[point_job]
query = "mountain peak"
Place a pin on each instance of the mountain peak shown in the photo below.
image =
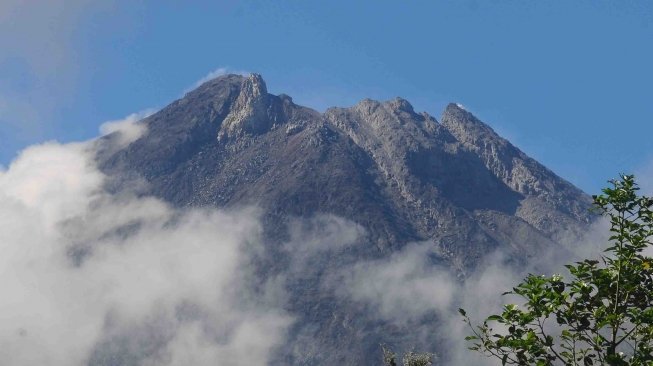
(465, 126)
(254, 86)
(458, 112)
(249, 113)
(400, 105)
(216, 84)
(399, 177)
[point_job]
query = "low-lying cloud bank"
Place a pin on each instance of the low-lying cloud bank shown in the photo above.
(403, 287)
(409, 286)
(91, 277)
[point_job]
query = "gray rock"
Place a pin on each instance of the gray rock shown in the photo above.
(401, 175)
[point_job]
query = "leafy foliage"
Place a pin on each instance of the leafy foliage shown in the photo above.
(410, 358)
(602, 315)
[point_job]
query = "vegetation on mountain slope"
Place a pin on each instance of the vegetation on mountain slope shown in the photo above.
(601, 315)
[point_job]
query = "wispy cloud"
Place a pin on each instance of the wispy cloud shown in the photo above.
(402, 287)
(214, 74)
(89, 276)
(127, 129)
(408, 287)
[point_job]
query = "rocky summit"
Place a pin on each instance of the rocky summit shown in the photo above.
(402, 176)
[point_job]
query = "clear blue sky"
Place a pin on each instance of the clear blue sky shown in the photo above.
(569, 82)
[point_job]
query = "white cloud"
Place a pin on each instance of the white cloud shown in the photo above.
(128, 129)
(311, 239)
(210, 76)
(214, 74)
(83, 270)
(407, 285)
(403, 287)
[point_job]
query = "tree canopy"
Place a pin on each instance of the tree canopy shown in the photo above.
(601, 315)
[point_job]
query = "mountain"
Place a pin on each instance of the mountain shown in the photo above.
(400, 175)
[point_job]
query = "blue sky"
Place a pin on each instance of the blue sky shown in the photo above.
(569, 82)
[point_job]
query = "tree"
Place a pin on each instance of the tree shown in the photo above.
(602, 315)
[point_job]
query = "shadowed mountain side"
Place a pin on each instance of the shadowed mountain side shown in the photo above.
(551, 204)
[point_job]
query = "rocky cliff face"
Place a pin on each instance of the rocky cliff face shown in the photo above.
(402, 176)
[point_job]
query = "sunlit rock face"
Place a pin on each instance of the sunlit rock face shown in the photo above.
(399, 176)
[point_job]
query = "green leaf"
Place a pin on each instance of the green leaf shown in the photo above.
(613, 291)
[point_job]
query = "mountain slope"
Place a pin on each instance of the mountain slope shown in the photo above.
(400, 175)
